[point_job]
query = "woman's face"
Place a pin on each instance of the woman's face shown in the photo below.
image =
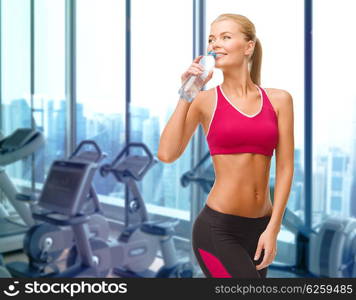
(226, 38)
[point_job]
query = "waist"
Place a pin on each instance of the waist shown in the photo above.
(232, 219)
(240, 202)
(241, 188)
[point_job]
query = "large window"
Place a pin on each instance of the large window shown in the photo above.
(100, 47)
(282, 68)
(334, 110)
(49, 100)
(16, 77)
(161, 51)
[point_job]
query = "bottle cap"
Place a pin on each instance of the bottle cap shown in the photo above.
(212, 53)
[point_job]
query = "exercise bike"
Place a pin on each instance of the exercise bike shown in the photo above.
(19, 145)
(155, 234)
(137, 245)
(44, 243)
(66, 189)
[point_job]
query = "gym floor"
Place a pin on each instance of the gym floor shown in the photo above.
(20, 256)
(272, 273)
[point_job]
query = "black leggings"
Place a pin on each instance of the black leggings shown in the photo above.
(225, 244)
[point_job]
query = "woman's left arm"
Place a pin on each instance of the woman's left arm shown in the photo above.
(284, 160)
(284, 177)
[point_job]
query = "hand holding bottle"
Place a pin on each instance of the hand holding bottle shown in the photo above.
(197, 75)
(195, 69)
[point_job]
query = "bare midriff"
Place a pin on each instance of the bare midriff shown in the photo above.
(241, 185)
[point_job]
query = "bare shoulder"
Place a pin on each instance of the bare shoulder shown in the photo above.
(280, 99)
(206, 103)
(206, 100)
(206, 96)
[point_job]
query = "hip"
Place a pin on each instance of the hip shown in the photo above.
(213, 221)
(250, 205)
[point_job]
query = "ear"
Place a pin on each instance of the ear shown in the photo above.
(250, 47)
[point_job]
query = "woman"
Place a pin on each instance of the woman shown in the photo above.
(235, 234)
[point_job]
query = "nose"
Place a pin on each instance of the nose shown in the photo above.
(213, 46)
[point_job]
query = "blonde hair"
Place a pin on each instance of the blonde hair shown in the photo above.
(249, 31)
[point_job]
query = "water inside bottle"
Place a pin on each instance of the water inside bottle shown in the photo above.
(194, 84)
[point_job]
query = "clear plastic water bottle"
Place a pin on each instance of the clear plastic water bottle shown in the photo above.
(193, 84)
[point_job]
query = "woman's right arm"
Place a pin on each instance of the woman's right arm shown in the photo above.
(179, 129)
(184, 120)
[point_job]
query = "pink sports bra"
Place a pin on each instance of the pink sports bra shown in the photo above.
(232, 131)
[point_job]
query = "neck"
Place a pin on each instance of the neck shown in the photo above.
(238, 82)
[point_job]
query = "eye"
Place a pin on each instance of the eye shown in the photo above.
(225, 36)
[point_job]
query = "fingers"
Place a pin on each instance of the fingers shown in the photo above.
(258, 251)
(195, 66)
(267, 259)
(210, 75)
(194, 69)
(191, 72)
(197, 59)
